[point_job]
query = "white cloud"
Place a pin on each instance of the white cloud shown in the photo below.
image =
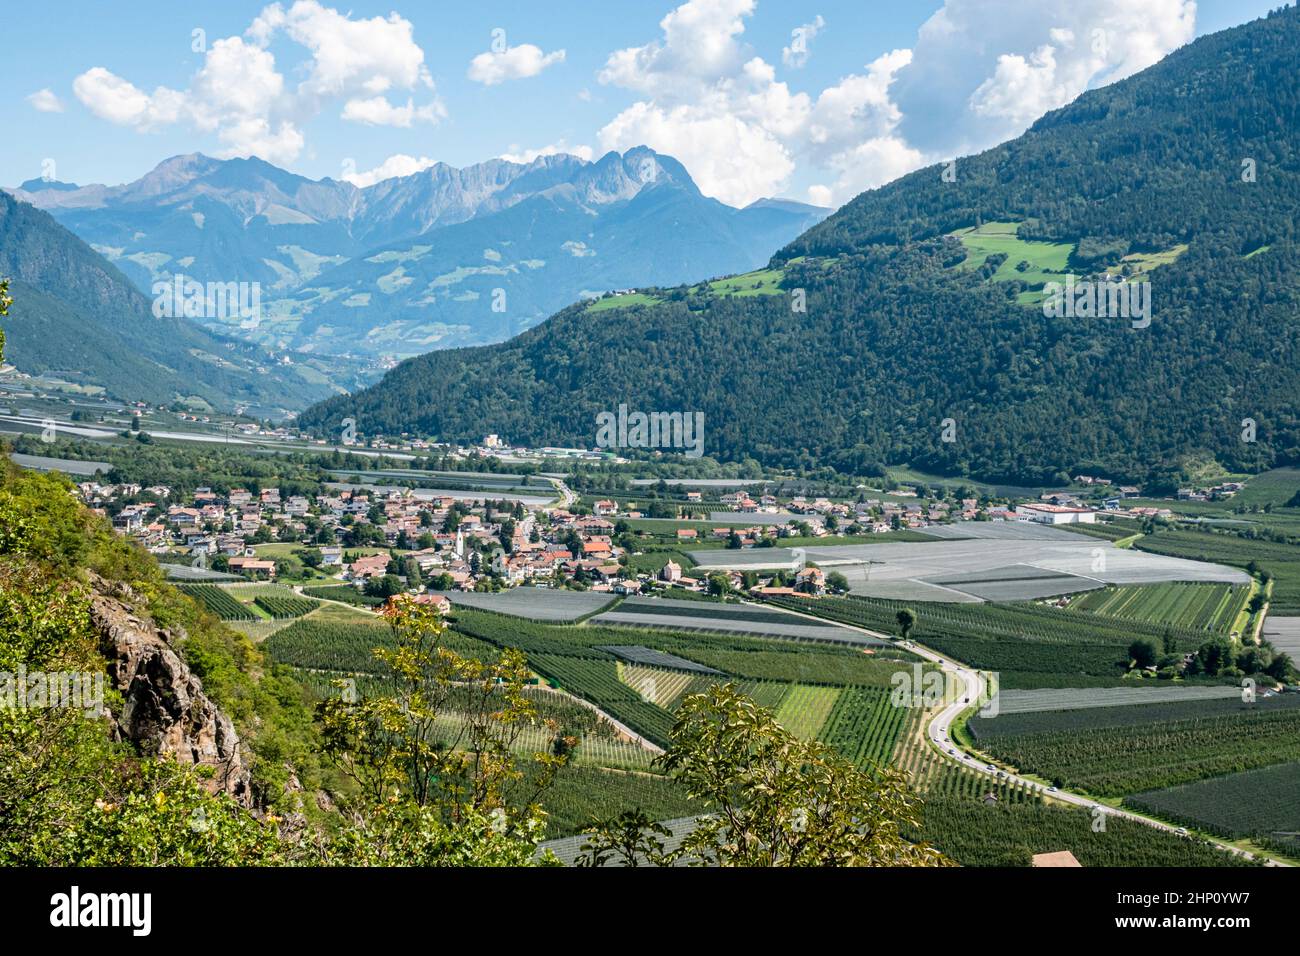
(45, 101)
(796, 54)
(979, 73)
(110, 97)
(699, 47)
(377, 111)
(526, 156)
(512, 63)
(240, 95)
(983, 70)
(394, 166)
(820, 195)
(731, 159)
(348, 55)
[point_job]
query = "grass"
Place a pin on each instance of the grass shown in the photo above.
(1210, 607)
(804, 710)
(759, 282)
(607, 303)
(1047, 261)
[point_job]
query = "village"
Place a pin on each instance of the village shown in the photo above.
(387, 541)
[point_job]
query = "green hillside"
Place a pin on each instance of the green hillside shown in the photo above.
(922, 305)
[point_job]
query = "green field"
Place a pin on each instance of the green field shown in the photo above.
(1028, 644)
(1118, 760)
(607, 303)
(1280, 560)
(1207, 607)
(1046, 261)
(1009, 834)
(759, 282)
(1263, 803)
(804, 710)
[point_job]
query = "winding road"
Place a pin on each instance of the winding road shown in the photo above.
(971, 686)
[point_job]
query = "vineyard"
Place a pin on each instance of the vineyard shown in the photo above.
(345, 593)
(804, 709)
(1009, 834)
(1086, 719)
(219, 601)
(1281, 560)
(1205, 607)
(288, 606)
(864, 725)
(1263, 803)
(1113, 761)
(1030, 645)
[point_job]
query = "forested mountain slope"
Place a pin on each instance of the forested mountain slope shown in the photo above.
(924, 303)
(76, 317)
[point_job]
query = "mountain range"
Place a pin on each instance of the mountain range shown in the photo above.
(919, 323)
(78, 319)
(439, 258)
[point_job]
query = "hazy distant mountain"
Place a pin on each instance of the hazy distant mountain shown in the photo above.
(77, 318)
(416, 262)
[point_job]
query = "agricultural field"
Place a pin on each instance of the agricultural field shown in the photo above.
(660, 687)
(1030, 645)
(1204, 607)
(805, 708)
(730, 618)
(581, 795)
(1009, 834)
(976, 820)
(219, 602)
(1099, 755)
(1262, 803)
(1032, 701)
(649, 657)
(1280, 560)
(280, 607)
(535, 604)
(864, 725)
(344, 593)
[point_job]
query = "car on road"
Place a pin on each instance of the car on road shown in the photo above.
(1051, 790)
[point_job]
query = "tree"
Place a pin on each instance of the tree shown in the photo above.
(421, 789)
(837, 582)
(5, 301)
(1143, 653)
(383, 586)
(906, 619)
(771, 799)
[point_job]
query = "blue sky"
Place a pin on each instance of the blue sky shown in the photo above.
(878, 88)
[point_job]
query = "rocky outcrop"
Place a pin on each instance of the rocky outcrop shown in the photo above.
(164, 710)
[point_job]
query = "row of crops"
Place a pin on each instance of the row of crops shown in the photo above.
(1029, 645)
(345, 593)
(1083, 719)
(1281, 560)
(281, 607)
(1262, 804)
(219, 601)
(864, 725)
(1205, 607)
(1009, 834)
(1113, 761)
